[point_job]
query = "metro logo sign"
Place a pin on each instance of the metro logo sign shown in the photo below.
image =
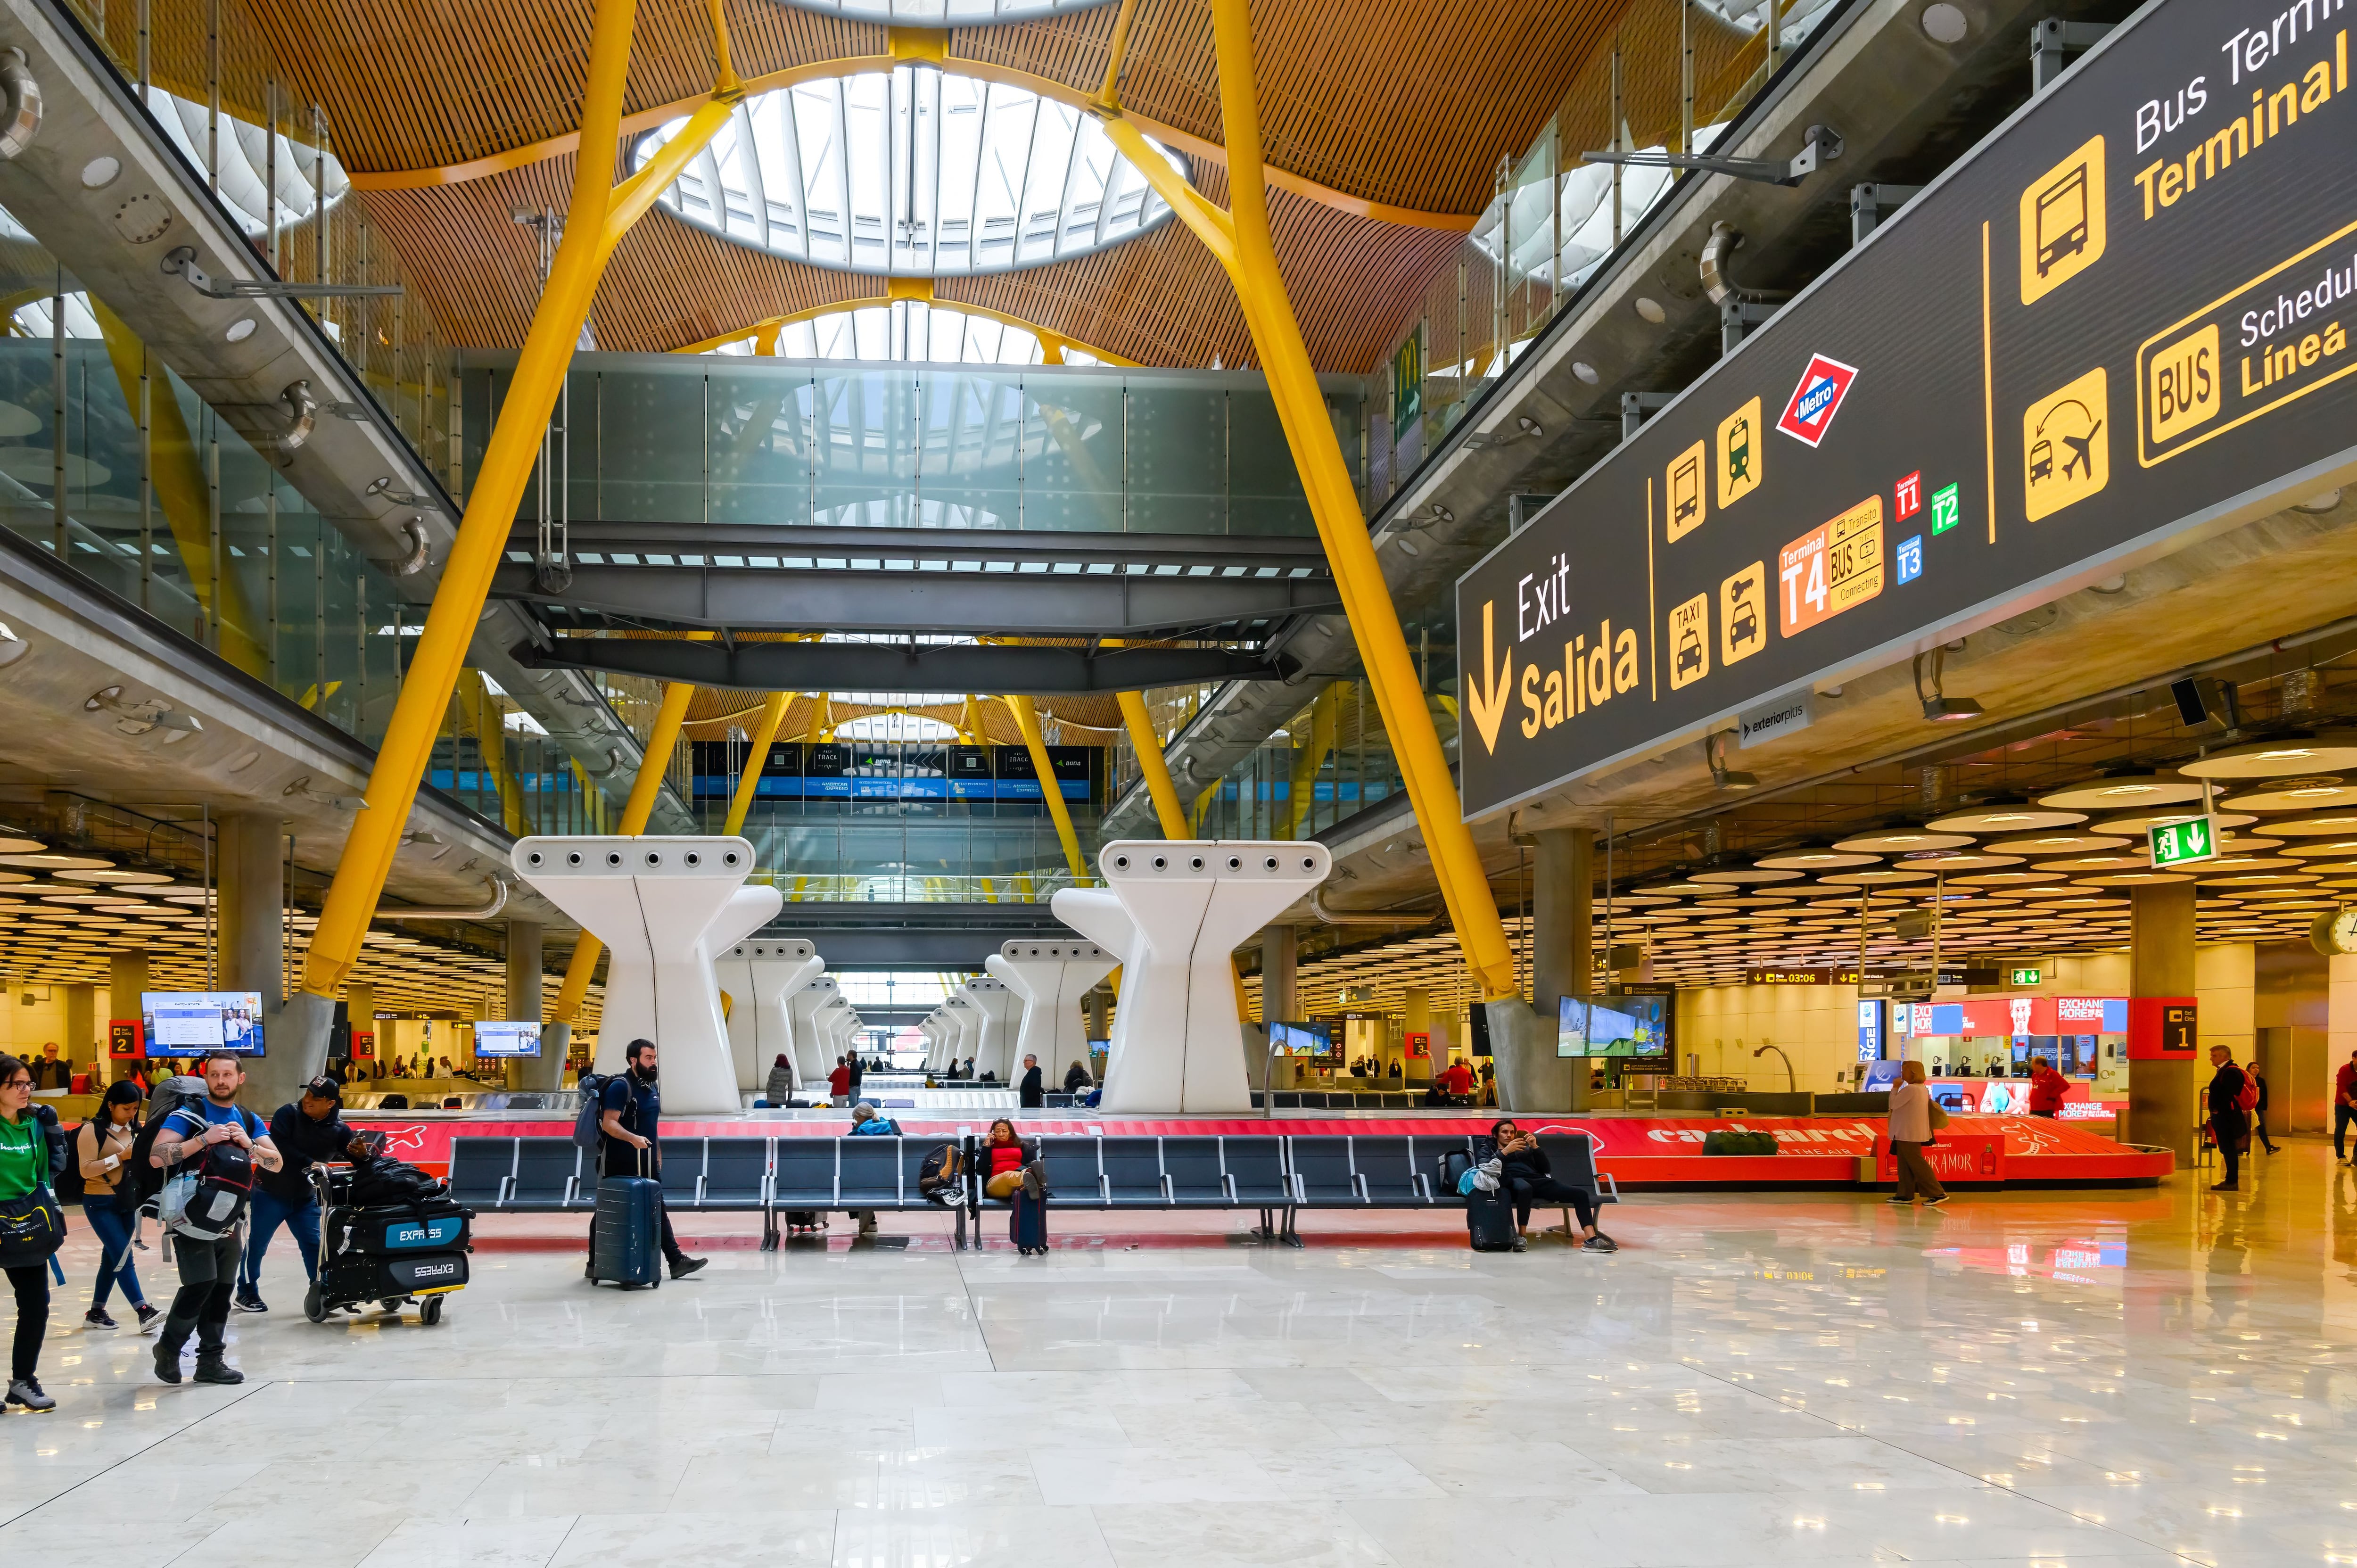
(1816, 399)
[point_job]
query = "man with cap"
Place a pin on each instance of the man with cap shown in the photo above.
(309, 1131)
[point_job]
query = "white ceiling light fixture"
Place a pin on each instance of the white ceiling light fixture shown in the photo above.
(2278, 759)
(918, 173)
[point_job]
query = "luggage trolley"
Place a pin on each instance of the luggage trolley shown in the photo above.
(396, 1255)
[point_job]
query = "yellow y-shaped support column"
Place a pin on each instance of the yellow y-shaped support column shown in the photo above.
(774, 713)
(1240, 239)
(1318, 744)
(1154, 765)
(599, 216)
(1027, 719)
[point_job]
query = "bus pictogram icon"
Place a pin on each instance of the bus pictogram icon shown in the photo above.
(2063, 228)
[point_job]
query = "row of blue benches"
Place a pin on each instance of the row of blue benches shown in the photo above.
(1274, 1173)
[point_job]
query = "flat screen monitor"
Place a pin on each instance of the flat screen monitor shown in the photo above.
(1630, 1027)
(1308, 1041)
(507, 1039)
(1880, 1076)
(189, 1023)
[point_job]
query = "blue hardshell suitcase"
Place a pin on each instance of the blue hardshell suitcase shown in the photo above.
(626, 1238)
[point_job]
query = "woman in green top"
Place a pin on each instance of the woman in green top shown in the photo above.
(24, 1165)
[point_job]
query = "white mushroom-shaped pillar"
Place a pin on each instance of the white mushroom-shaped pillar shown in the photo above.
(990, 1040)
(1050, 978)
(1173, 910)
(805, 1010)
(759, 976)
(664, 907)
(961, 1027)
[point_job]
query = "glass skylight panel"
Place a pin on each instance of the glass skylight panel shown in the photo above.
(909, 330)
(944, 12)
(915, 174)
(247, 165)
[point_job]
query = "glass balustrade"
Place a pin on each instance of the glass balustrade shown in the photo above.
(1671, 78)
(692, 439)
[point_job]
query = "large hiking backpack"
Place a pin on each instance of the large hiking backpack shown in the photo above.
(207, 1198)
(587, 1132)
(142, 1178)
(942, 1175)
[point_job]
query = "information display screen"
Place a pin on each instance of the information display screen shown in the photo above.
(1312, 1042)
(185, 1023)
(1629, 1027)
(507, 1039)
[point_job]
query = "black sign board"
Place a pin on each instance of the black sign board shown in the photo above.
(2125, 317)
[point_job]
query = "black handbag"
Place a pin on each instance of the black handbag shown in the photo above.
(31, 1228)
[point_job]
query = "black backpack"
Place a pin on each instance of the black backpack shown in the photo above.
(224, 1179)
(64, 1179)
(142, 1180)
(943, 1173)
(588, 1129)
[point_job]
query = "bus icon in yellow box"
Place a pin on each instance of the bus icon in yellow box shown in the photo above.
(2063, 228)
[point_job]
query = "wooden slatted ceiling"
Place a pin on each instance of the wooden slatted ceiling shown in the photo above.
(1407, 102)
(1161, 300)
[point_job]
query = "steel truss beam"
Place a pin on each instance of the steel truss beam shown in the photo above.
(902, 667)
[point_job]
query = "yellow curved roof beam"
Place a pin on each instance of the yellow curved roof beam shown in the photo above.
(863, 65)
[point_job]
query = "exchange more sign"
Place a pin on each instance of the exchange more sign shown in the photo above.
(2122, 320)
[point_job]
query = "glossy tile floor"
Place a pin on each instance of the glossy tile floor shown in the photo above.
(2027, 1378)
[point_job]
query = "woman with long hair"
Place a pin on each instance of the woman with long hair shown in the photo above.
(1007, 1163)
(103, 1149)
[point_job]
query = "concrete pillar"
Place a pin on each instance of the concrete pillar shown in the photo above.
(544, 1073)
(252, 902)
(1530, 1076)
(1280, 998)
(2164, 1097)
(85, 1042)
(127, 979)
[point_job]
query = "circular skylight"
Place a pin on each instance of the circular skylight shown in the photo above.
(917, 174)
(942, 13)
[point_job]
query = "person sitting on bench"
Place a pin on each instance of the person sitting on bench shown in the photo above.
(1008, 1163)
(1530, 1176)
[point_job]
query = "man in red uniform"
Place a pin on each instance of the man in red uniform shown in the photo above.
(2344, 1104)
(2047, 1089)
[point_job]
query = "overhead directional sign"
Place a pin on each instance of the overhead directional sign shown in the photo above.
(2124, 318)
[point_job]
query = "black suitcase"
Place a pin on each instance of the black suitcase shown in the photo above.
(1026, 1223)
(438, 1226)
(626, 1238)
(1489, 1221)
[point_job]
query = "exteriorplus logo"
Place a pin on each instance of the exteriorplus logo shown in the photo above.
(1816, 399)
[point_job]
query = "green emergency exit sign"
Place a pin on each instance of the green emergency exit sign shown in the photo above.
(2027, 977)
(2182, 843)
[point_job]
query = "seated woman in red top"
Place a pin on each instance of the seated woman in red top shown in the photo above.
(1007, 1163)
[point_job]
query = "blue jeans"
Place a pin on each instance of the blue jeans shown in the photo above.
(267, 1214)
(113, 1223)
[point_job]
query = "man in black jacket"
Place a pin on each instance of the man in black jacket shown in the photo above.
(1031, 1092)
(306, 1131)
(2229, 1124)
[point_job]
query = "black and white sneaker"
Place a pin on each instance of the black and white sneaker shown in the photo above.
(249, 1299)
(96, 1317)
(151, 1318)
(27, 1392)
